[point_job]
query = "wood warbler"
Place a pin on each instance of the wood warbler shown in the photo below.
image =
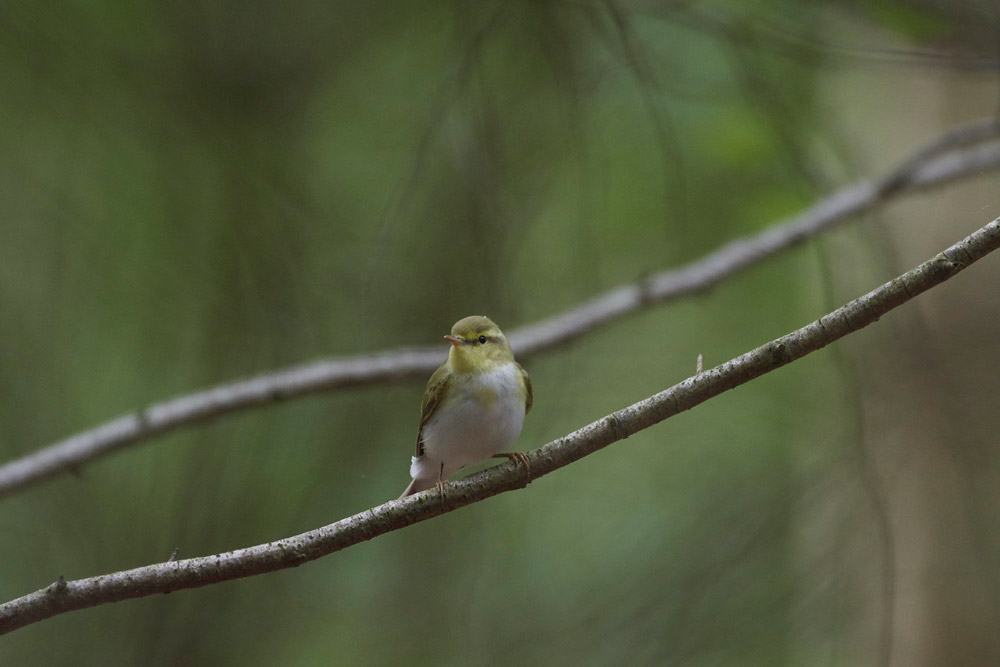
(473, 407)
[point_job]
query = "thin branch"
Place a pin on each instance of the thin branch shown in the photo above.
(63, 596)
(963, 136)
(936, 168)
(743, 253)
(191, 409)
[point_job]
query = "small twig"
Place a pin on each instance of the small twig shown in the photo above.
(64, 596)
(960, 137)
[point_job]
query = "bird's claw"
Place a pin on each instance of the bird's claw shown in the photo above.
(519, 457)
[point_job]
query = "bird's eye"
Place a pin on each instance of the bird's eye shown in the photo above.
(482, 340)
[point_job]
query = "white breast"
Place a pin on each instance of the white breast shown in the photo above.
(481, 416)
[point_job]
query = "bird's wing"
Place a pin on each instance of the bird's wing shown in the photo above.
(527, 386)
(437, 387)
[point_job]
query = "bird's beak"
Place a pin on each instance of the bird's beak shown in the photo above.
(454, 340)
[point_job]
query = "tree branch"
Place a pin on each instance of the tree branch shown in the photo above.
(63, 596)
(945, 159)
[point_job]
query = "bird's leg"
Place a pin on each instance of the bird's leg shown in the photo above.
(520, 457)
(440, 482)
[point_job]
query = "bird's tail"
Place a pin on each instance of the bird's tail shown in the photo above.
(410, 489)
(425, 473)
(416, 486)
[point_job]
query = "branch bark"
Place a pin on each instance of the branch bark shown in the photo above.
(63, 596)
(943, 160)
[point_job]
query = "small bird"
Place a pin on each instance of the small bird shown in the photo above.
(473, 407)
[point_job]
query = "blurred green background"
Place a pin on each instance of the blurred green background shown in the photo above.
(196, 193)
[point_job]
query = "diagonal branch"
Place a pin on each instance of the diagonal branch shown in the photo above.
(943, 160)
(63, 596)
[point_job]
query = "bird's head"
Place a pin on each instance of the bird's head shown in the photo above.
(477, 345)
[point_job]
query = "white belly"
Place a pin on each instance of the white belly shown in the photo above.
(478, 418)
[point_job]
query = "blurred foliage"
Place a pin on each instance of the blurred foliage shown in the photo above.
(193, 193)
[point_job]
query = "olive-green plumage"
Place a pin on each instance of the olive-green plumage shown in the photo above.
(473, 406)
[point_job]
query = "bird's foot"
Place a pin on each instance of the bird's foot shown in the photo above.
(519, 457)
